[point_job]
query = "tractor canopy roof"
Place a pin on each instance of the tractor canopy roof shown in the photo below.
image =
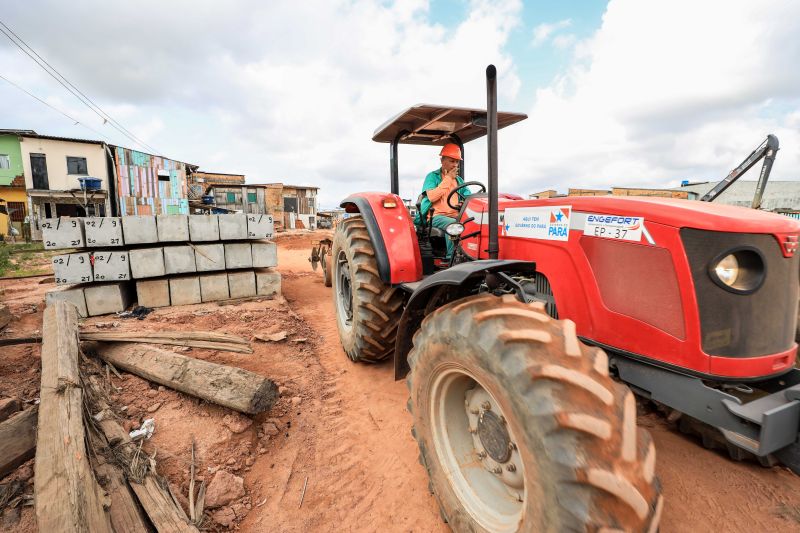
(438, 125)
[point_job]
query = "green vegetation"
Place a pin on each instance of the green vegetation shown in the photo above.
(27, 259)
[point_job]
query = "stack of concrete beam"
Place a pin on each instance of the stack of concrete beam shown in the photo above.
(162, 260)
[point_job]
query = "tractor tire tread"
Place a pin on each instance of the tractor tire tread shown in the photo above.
(601, 466)
(376, 306)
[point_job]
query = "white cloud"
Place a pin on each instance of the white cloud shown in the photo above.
(665, 91)
(293, 90)
(544, 31)
(278, 90)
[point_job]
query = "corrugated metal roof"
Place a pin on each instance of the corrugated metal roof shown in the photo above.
(285, 185)
(55, 138)
(16, 132)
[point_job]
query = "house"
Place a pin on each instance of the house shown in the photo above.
(216, 178)
(54, 168)
(229, 191)
(13, 198)
(292, 206)
(239, 198)
(147, 184)
(45, 174)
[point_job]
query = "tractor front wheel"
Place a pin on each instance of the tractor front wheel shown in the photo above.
(367, 310)
(520, 426)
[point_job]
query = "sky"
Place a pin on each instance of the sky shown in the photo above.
(636, 93)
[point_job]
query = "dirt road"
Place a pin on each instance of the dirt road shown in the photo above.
(342, 430)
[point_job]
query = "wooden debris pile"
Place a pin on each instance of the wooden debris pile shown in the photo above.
(89, 475)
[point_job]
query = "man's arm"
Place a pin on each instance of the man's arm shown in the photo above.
(435, 192)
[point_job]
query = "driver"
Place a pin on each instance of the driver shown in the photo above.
(438, 185)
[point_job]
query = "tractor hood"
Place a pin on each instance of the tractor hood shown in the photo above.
(668, 211)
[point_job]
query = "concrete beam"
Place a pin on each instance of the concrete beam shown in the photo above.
(179, 259)
(63, 232)
(265, 254)
(203, 228)
(103, 231)
(139, 229)
(242, 284)
(233, 227)
(172, 228)
(214, 287)
(153, 293)
(111, 265)
(209, 257)
(74, 295)
(147, 262)
(106, 298)
(72, 268)
(260, 226)
(238, 255)
(184, 290)
(268, 282)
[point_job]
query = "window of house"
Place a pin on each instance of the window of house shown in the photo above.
(251, 197)
(76, 165)
(5, 161)
(231, 197)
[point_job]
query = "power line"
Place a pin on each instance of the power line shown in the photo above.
(77, 122)
(69, 86)
(104, 115)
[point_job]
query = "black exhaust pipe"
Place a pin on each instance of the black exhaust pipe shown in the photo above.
(491, 144)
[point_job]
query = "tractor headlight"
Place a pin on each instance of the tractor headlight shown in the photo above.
(727, 270)
(454, 230)
(741, 271)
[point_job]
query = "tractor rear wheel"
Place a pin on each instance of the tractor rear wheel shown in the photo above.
(520, 426)
(367, 310)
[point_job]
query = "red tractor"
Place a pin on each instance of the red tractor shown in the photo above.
(521, 350)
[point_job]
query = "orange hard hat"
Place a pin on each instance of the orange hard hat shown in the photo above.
(451, 150)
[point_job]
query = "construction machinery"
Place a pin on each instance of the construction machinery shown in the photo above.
(521, 350)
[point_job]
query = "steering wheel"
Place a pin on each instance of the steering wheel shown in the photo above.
(465, 184)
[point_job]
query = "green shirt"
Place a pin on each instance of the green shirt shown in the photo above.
(433, 180)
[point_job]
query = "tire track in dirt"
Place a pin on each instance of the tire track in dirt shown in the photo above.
(357, 450)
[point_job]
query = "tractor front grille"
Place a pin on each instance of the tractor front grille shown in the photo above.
(743, 325)
(539, 288)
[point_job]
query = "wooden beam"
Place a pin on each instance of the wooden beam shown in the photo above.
(122, 336)
(9, 407)
(197, 339)
(20, 340)
(157, 502)
(124, 512)
(232, 387)
(66, 494)
(17, 440)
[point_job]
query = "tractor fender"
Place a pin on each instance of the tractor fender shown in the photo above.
(392, 233)
(462, 280)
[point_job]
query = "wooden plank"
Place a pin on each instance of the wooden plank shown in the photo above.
(5, 316)
(159, 335)
(17, 440)
(124, 512)
(161, 508)
(67, 496)
(199, 339)
(9, 407)
(20, 340)
(235, 388)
